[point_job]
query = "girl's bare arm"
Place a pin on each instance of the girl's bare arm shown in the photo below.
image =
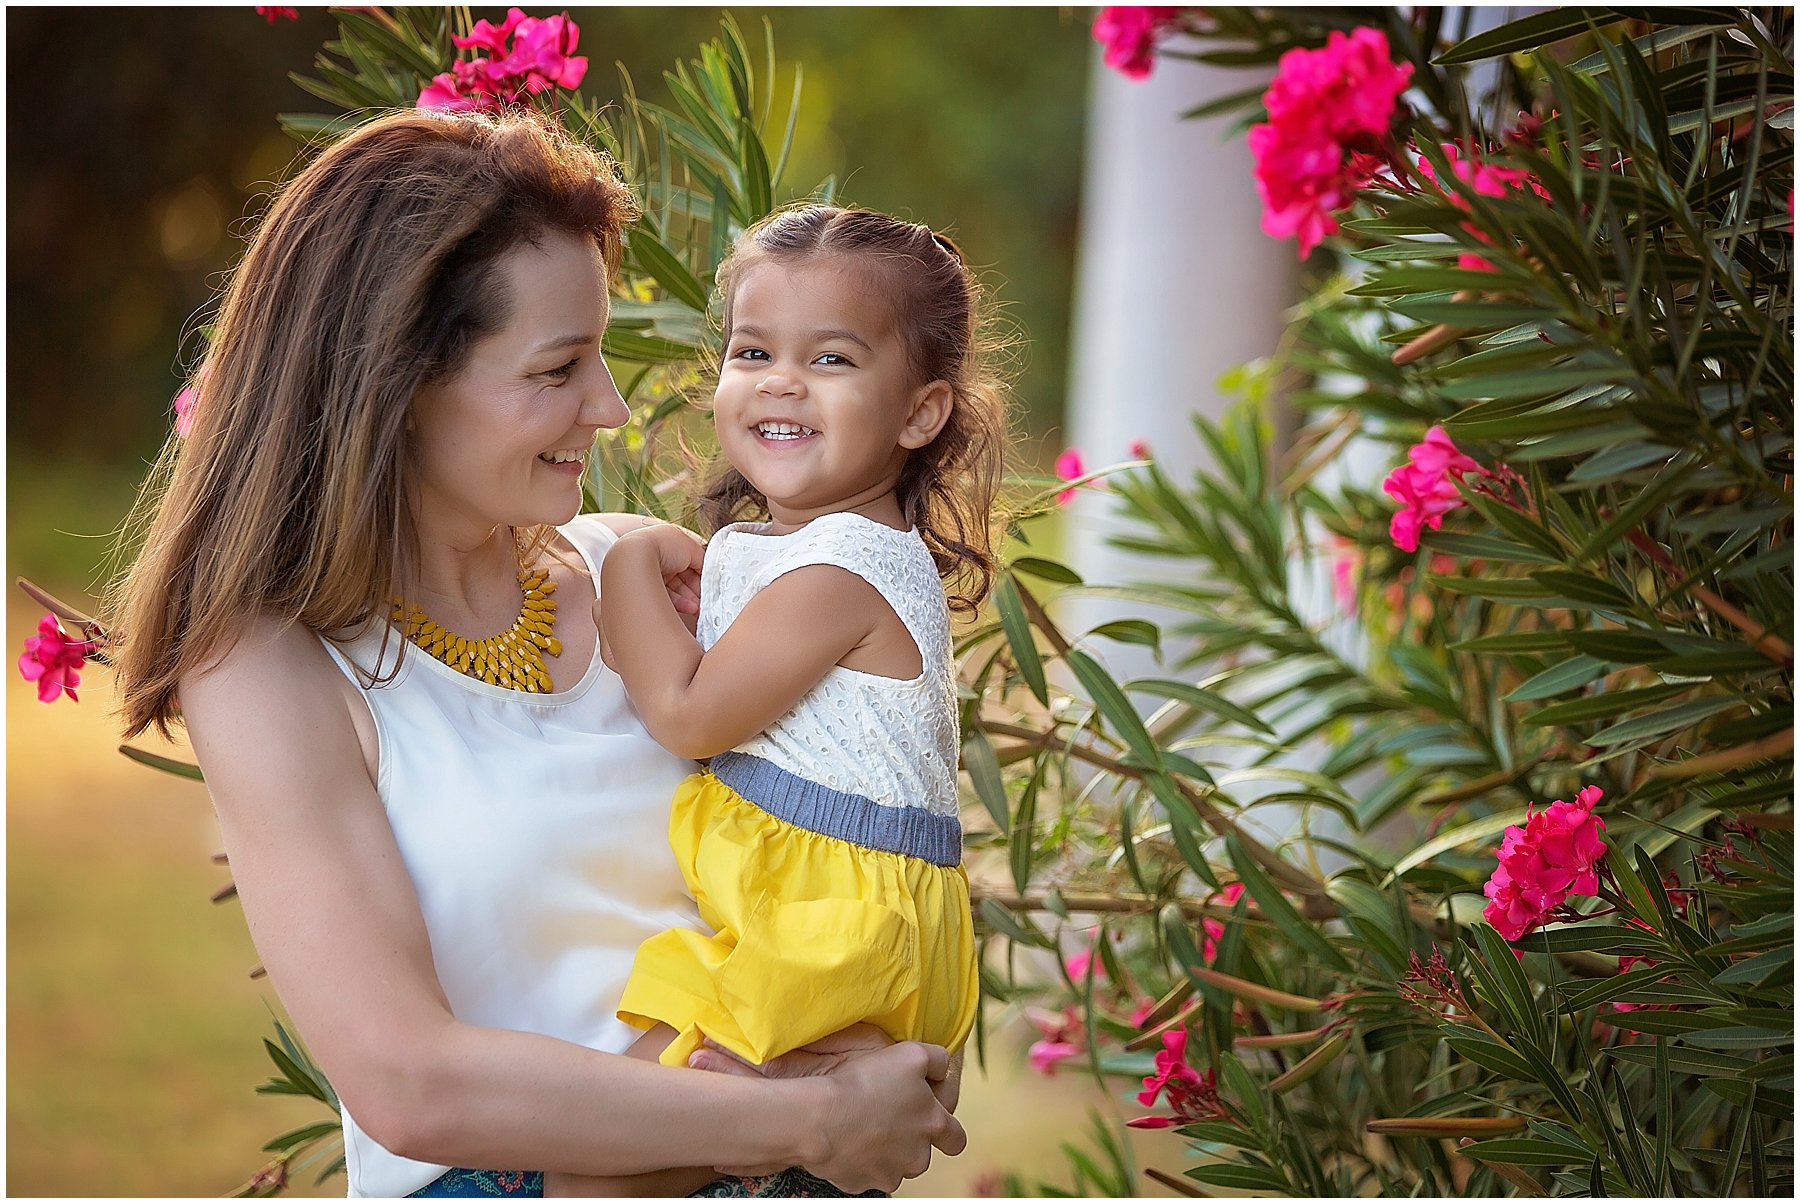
(698, 703)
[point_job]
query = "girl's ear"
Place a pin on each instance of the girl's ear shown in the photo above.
(930, 411)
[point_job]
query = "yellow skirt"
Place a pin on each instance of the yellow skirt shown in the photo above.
(811, 935)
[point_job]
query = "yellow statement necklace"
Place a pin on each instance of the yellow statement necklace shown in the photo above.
(514, 659)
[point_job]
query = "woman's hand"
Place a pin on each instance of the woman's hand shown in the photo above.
(885, 1112)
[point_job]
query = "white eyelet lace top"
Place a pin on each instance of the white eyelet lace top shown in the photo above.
(889, 740)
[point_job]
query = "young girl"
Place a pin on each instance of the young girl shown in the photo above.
(822, 843)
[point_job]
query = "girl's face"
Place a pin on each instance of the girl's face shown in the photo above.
(504, 441)
(816, 405)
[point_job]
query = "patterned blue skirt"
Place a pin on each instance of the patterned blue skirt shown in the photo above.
(790, 1184)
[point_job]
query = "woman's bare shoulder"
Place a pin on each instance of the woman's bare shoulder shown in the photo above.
(266, 670)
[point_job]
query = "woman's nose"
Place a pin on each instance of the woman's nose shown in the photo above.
(603, 405)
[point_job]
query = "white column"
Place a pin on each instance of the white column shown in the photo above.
(1175, 284)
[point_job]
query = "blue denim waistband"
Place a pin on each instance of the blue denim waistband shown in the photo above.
(910, 831)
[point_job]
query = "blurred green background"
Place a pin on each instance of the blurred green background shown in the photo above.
(133, 1028)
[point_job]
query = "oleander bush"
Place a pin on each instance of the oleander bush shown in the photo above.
(1449, 848)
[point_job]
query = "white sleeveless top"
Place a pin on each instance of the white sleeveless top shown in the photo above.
(891, 741)
(535, 829)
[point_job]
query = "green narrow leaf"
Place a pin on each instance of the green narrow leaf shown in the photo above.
(180, 769)
(1674, 719)
(296, 1077)
(1114, 706)
(635, 348)
(1559, 679)
(1632, 515)
(1244, 1090)
(1489, 1054)
(1206, 700)
(984, 774)
(1600, 706)
(1527, 33)
(1468, 833)
(1017, 626)
(1528, 1151)
(667, 271)
(1277, 909)
(295, 1138)
(1501, 645)
(1013, 928)
(1046, 570)
(1236, 1174)
(1131, 631)
(1020, 834)
(759, 190)
(1583, 588)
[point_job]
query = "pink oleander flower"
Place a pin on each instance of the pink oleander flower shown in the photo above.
(1063, 1037)
(1068, 468)
(471, 85)
(1171, 1067)
(1215, 929)
(272, 14)
(543, 54)
(184, 410)
(1425, 489)
(188, 398)
(1345, 562)
(52, 659)
(528, 55)
(1077, 964)
(1543, 863)
(1329, 113)
(1193, 1096)
(1045, 1055)
(490, 37)
(1483, 179)
(1129, 33)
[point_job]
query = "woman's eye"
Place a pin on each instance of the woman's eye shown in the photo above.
(564, 371)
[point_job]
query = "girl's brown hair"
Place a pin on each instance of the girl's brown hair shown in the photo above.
(373, 273)
(947, 488)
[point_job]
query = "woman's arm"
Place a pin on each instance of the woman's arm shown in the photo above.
(337, 923)
(698, 703)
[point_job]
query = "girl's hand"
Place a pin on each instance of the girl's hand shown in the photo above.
(680, 553)
(886, 1112)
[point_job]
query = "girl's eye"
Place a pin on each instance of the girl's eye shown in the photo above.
(834, 359)
(750, 353)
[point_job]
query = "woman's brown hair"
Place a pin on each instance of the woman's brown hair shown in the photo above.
(374, 271)
(947, 488)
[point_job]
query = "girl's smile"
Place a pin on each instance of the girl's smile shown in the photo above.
(815, 393)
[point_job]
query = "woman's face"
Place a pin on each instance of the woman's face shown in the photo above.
(505, 440)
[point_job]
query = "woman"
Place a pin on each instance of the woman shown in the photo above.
(444, 868)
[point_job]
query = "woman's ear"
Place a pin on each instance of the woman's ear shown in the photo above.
(930, 411)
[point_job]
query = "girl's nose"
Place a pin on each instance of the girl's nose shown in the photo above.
(602, 405)
(778, 382)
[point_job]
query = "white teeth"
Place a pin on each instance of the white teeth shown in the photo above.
(783, 430)
(560, 457)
